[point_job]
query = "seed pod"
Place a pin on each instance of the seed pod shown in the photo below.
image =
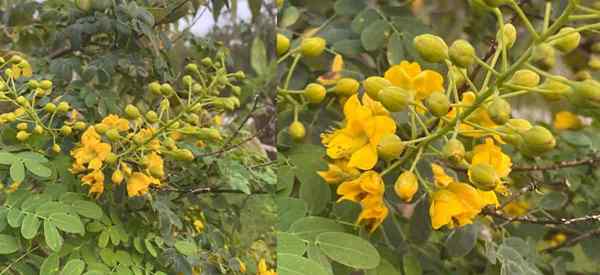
(374, 84)
(395, 99)
(282, 43)
(23, 135)
(438, 104)
(296, 130)
(525, 77)
(314, 93)
(132, 112)
(431, 48)
(454, 150)
(509, 37)
(117, 177)
(499, 110)
(462, 53)
(390, 147)
(346, 87)
(569, 41)
(483, 176)
(544, 55)
(313, 46)
(538, 140)
(406, 186)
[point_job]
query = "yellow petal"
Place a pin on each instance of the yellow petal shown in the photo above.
(444, 206)
(343, 145)
(566, 120)
(379, 126)
(427, 82)
(365, 158)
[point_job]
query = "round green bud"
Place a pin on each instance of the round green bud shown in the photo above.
(101, 128)
(538, 140)
(454, 150)
(313, 46)
(184, 155)
(56, 148)
(568, 41)
(438, 104)
(154, 88)
(406, 186)
(390, 147)
(38, 129)
(594, 62)
(63, 107)
(499, 110)
(46, 85)
(191, 68)
(282, 44)
(79, 125)
(66, 130)
(151, 116)
(166, 89)
(582, 75)
(483, 176)
(555, 88)
(21, 100)
(431, 48)
(33, 84)
(544, 55)
(395, 99)
(297, 130)
(23, 136)
(236, 90)
(206, 61)
(84, 5)
(50, 107)
(187, 80)
(132, 112)
(347, 86)
(113, 134)
(22, 126)
(374, 84)
(462, 53)
(314, 93)
(526, 78)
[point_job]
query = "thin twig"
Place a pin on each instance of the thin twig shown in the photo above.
(573, 241)
(559, 165)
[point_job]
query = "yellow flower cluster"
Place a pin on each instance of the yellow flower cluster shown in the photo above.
(263, 268)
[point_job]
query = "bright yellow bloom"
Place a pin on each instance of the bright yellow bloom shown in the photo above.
(409, 76)
(441, 179)
(115, 122)
(138, 184)
(92, 151)
(458, 204)
(21, 69)
(365, 124)
(334, 74)
(373, 212)
(338, 172)
(367, 190)
(567, 121)
(480, 117)
(155, 165)
(199, 226)
(95, 180)
(263, 269)
(143, 137)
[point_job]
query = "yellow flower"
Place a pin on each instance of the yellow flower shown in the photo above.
(199, 225)
(491, 154)
(440, 177)
(155, 165)
(334, 74)
(144, 135)
(95, 180)
(338, 172)
(21, 69)
(365, 124)
(458, 204)
(480, 117)
(567, 121)
(367, 190)
(92, 151)
(218, 120)
(138, 184)
(263, 269)
(409, 76)
(115, 122)
(373, 212)
(516, 208)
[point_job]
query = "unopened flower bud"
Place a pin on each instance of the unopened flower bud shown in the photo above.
(101, 128)
(313, 46)
(374, 84)
(23, 135)
(63, 107)
(296, 130)
(79, 125)
(117, 177)
(184, 155)
(499, 110)
(38, 129)
(431, 48)
(46, 85)
(187, 80)
(544, 55)
(113, 134)
(462, 53)
(438, 104)
(56, 148)
(483, 176)
(192, 68)
(568, 41)
(132, 112)
(390, 147)
(406, 186)
(282, 43)
(594, 62)
(509, 37)
(526, 78)
(166, 89)
(22, 126)
(151, 116)
(395, 99)
(66, 130)
(538, 140)
(314, 93)
(50, 107)
(347, 86)
(555, 88)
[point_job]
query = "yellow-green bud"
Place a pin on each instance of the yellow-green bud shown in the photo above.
(79, 125)
(374, 84)
(206, 61)
(151, 116)
(594, 62)
(33, 84)
(191, 68)
(431, 48)
(208, 133)
(569, 41)
(313, 46)
(239, 75)
(101, 128)
(538, 140)
(347, 86)
(84, 5)
(544, 55)
(525, 77)
(50, 107)
(499, 110)
(46, 85)
(282, 43)
(132, 112)
(509, 37)
(314, 93)
(583, 75)
(113, 134)
(154, 88)
(187, 80)
(555, 89)
(483, 176)
(513, 129)
(23, 135)
(66, 130)
(63, 107)
(438, 104)
(454, 150)
(457, 74)
(22, 126)
(390, 147)
(406, 186)
(395, 99)
(462, 53)
(56, 148)
(166, 89)
(296, 130)
(117, 177)
(38, 129)
(184, 155)
(197, 88)
(111, 158)
(236, 90)
(21, 100)
(15, 59)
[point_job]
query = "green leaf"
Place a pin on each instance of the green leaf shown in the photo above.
(32, 156)
(462, 240)
(290, 264)
(8, 244)
(73, 267)
(67, 223)
(364, 19)
(53, 238)
(314, 253)
(308, 228)
(411, 265)
(349, 47)
(307, 160)
(38, 169)
(6, 158)
(348, 250)
(349, 7)
(17, 171)
(290, 243)
(51, 265)
(289, 17)
(395, 49)
(373, 36)
(30, 226)
(14, 217)
(87, 209)
(553, 201)
(187, 248)
(258, 58)
(420, 222)
(289, 210)
(576, 138)
(385, 268)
